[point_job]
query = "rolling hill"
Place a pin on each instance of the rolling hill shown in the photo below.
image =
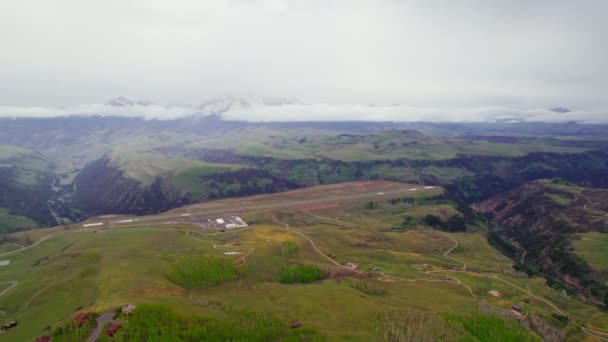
(320, 263)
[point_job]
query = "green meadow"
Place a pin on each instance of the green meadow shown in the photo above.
(593, 248)
(289, 267)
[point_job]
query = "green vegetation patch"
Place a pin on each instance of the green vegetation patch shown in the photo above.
(370, 288)
(491, 328)
(415, 325)
(160, 323)
(301, 274)
(74, 332)
(559, 199)
(11, 223)
(201, 272)
(593, 248)
(289, 248)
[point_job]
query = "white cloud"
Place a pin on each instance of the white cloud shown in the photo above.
(148, 112)
(428, 53)
(275, 109)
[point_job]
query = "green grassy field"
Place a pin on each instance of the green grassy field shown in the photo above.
(310, 143)
(593, 248)
(146, 166)
(98, 270)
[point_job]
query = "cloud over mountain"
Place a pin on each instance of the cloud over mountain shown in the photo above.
(258, 108)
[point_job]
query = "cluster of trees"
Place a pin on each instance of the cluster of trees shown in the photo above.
(369, 288)
(415, 325)
(487, 327)
(301, 274)
(160, 323)
(244, 182)
(289, 248)
(422, 200)
(454, 223)
(72, 332)
(202, 272)
(546, 241)
(407, 200)
(371, 205)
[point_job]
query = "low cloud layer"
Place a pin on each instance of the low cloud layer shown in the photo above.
(247, 110)
(439, 59)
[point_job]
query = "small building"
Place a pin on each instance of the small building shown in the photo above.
(112, 329)
(220, 221)
(9, 325)
(495, 293)
(352, 265)
(516, 308)
(45, 338)
(82, 318)
(127, 309)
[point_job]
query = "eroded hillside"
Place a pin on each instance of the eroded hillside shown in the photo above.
(538, 222)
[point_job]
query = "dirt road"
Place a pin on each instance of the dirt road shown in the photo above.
(13, 284)
(594, 333)
(447, 253)
(28, 247)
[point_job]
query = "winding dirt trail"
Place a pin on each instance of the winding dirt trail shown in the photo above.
(13, 284)
(602, 336)
(42, 239)
(447, 253)
(312, 243)
(33, 297)
(594, 333)
(589, 202)
(244, 257)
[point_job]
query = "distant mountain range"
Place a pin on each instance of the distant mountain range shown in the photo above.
(256, 108)
(213, 106)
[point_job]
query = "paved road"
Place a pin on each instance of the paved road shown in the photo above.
(233, 210)
(101, 321)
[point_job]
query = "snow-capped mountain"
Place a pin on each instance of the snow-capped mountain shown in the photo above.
(122, 101)
(226, 103)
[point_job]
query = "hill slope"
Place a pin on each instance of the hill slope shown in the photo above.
(351, 262)
(540, 219)
(26, 178)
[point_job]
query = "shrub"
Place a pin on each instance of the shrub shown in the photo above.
(415, 325)
(289, 248)
(492, 328)
(370, 289)
(432, 221)
(301, 274)
(71, 332)
(202, 272)
(160, 323)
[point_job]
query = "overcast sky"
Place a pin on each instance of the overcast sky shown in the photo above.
(338, 57)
